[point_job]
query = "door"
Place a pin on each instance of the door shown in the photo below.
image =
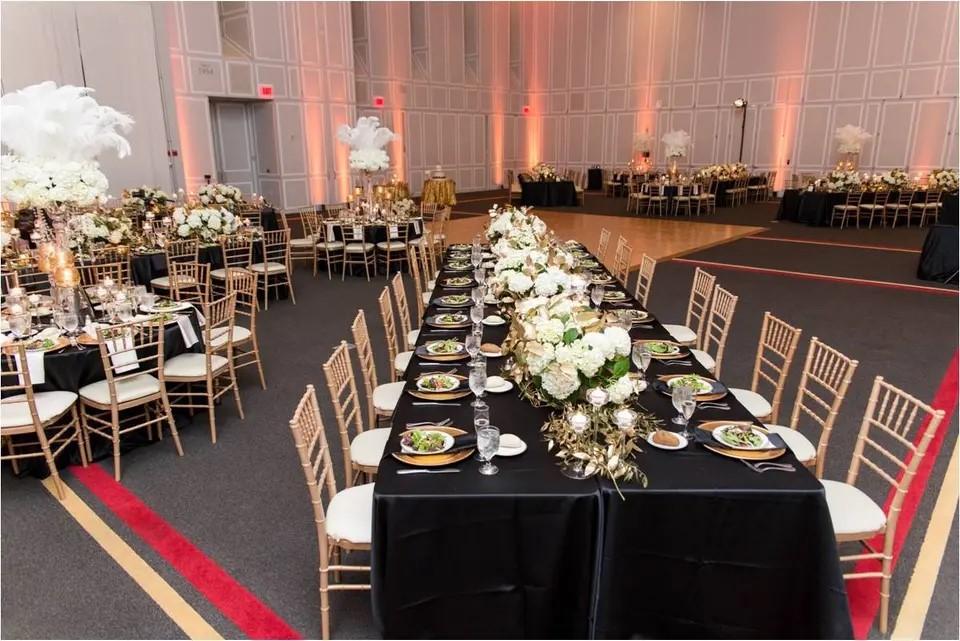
(233, 145)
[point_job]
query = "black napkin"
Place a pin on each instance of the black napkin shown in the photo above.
(464, 442)
(704, 437)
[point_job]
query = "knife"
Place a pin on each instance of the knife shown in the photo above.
(421, 471)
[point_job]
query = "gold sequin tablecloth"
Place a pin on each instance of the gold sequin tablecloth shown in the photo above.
(442, 191)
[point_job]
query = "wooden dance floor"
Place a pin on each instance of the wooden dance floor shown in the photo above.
(659, 238)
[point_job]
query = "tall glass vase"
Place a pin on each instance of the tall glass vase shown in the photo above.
(368, 187)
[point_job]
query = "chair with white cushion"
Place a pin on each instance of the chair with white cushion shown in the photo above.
(398, 359)
(929, 207)
(329, 249)
(621, 262)
(381, 399)
(198, 380)
(356, 249)
(602, 244)
(235, 250)
(698, 307)
(824, 381)
(775, 350)
(875, 208)
(849, 208)
(645, 280)
(345, 523)
(175, 251)
(409, 334)
(716, 330)
(190, 282)
(273, 272)
(428, 263)
(133, 361)
(48, 419)
(414, 260)
(304, 248)
(894, 435)
(901, 207)
(637, 197)
(246, 345)
(362, 446)
(393, 251)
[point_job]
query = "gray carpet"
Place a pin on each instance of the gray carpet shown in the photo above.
(243, 501)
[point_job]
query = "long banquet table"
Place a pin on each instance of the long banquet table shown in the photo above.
(708, 549)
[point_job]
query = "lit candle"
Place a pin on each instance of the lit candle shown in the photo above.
(16, 309)
(597, 396)
(625, 418)
(579, 422)
(149, 215)
(166, 221)
(66, 276)
(34, 299)
(16, 291)
(108, 282)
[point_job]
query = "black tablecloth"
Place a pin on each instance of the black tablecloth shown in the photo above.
(268, 219)
(724, 186)
(146, 267)
(378, 233)
(789, 207)
(939, 259)
(594, 179)
(561, 193)
(949, 213)
(816, 207)
(710, 549)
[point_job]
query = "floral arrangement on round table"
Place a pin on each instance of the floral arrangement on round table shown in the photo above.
(405, 208)
(367, 141)
(561, 352)
(221, 196)
(544, 172)
(837, 180)
(945, 179)
(725, 171)
(206, 224)
(145, 199)
(101, 227)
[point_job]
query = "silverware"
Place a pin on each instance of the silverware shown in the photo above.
(687, 363)
(450, 371)
(766, 466)
(435, 403)
(451, 470)
(445, 421)
(713, 406)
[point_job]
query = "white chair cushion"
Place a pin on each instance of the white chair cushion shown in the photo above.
(401, 361)
(797, 442)
(49, 405)
(331, 244)
(425, 297)
(219, 336)
(386, 397)
(704, 359)
(412, 336)
(431, 284)
(755, 404)
(367, 447)
(268, 267)
(127, 389)
(302, 242)
(393, 244)
(681, 333)
(164, 281)
(192, 365)
(851, 510)
(350, 514)
(359, 248)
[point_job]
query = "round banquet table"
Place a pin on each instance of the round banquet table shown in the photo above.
(939, 260)
(377, 232)
(442, 191)
(560, 193)
(146, 266)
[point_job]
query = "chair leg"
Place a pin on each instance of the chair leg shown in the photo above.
(211, 411)
(173, 424)
(324, 604)
(115, 430)
(13, 462)
(75, 419)
(293, 298)
(256, 352)
(54, 473)
(236, 388)
(885, 596)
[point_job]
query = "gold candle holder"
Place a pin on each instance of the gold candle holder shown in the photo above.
(66, 276)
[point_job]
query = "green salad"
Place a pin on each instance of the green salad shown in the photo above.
(741, 436)
(424, 441)
(450, 319)
(697, 383)
(444, 347)
(660, 347)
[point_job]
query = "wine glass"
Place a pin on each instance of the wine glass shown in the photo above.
(478, 382)
(480, 276)
(481, 419)
(124, 310)
(473, 347)
(20, 325)
(69, 322)
(687, 408)
(488, 442)
(476, 313)
(476, 294)
(476, 257)
(641, 358)
(679, 394)
(596, 295)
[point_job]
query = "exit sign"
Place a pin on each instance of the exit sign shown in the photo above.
(265, 91)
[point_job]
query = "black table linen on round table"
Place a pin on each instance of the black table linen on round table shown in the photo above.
(939, 259)
(709, 549)
(594, 179)
(560, 193)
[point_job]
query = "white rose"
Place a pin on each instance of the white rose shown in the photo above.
(519, 282)
(116, 237)
(619, 339)
(183, 230)
(560, 381)
(620, 390)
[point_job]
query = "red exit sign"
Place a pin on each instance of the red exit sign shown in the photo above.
(265, 91)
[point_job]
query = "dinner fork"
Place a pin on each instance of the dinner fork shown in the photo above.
(445, 421)
(766, 466)
(713, 406)
(435, 403)
(687, 363)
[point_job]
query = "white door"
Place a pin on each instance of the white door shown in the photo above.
(234, 146)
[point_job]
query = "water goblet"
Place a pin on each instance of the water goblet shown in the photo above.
(480, 276)
(476, 313)
(473, 347)
(596, 295)
(687, 408)
(488, 442)
(478, 382)
(476, 294)
(481, 419)
(640, 355)
(679, 394)
(20, 325)
(69, 323)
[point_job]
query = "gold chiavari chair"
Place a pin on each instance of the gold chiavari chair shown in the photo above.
(708, 197)
(771, 185)
(236, 253)
(438, 229)
(190, 282)
(328, 245)
(114, 255)
(657, 200)
(410, 335)
(274, 271)
(413, 259)
(304, 248)
(637, 197)
(252, 213)
(876, 207)
(683, 199)
(428, 211)
(603, 244)
(621, 243)
(431, 266)
(775, 351)
(850, 208)
(716, 330)
(381, 399)
(8, 281)
(133, 360)
(645, 279)
(698, 306)
(758, 189)
(212, 371)
(334, 210)
(33, 281)
(621, 267)
(393, 251)
(899, 208)
(823, 386)
(93, 274)
(399, 360)
(176, 251)
(49, 417)
(362, 448)
(929, 206)
(894, 420)
(346, 522)
(356, 250)
(246, 347)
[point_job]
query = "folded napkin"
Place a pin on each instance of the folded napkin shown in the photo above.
(35, 359)
(186, 330)
(123, 356)
(90, 329)
(416, 226)
(464, 442)
(331, 232)
(704, 437)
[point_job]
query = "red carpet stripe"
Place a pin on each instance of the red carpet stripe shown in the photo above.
(942, 291)
(256, 620)
(864, 594)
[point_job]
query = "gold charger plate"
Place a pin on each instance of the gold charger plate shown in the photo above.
(701, 398)
(747, 455)
(59, 343)
(442, 358)
(466, 323)
(684, 351)
(435, 460)
(440, 396)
